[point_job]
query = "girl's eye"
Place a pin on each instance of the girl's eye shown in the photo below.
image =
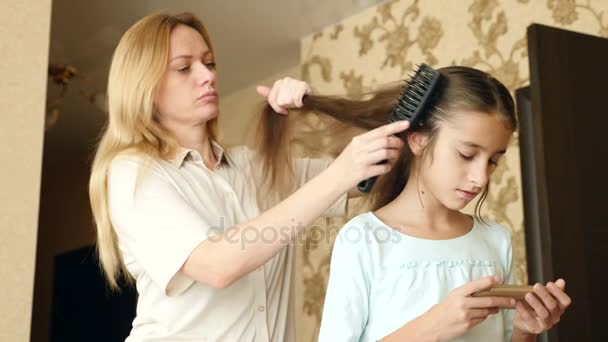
(464, 156)
(210, 65)
(184, 69)
(493, 162)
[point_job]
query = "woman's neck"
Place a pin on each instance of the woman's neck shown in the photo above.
(195, 137)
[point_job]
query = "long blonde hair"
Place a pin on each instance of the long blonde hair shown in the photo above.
(138, 65)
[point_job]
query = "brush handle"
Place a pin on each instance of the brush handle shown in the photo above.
(367, 185)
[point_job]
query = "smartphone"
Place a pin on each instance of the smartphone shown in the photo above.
(513, 291)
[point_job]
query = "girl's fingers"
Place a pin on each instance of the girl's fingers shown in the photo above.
(538, 307)
(523, 311)
(482, 313)
(547, 299)
(475, 286)
(562, 298)
(490, 302)
(476, 321)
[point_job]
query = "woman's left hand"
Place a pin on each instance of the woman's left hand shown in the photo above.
(546, 306)
(286, 93)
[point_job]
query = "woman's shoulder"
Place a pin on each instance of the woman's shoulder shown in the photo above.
(131, 166)
(240, 154)
(128, 160)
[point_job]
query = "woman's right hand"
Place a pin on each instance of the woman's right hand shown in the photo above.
(361, 157)
(459, 312)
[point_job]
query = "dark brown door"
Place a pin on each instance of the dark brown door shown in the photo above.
(563, 138)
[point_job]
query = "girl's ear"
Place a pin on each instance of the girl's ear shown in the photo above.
(417, 142)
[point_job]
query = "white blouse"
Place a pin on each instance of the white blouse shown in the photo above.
(162, 210)
(380, 278)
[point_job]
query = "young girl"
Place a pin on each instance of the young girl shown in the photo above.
(407, 270)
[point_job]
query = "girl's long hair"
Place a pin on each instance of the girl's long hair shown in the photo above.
(463, 89)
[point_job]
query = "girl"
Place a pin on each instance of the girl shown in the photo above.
(407, 270)
(178, 216)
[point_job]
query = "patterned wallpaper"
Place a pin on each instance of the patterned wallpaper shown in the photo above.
(381, 45)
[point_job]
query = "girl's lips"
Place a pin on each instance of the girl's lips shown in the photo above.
(466, 194)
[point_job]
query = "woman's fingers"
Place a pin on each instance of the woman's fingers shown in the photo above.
(378, 170)
(390, 142)
(263, 91)
(272, 97)
(285, 93)
(382, 154)
(384, 131)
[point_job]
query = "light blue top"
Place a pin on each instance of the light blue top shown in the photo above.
(380, 279)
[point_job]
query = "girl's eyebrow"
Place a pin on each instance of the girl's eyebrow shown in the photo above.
(474, 145)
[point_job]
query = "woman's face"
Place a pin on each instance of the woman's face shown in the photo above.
(187, 93)
(465, 155)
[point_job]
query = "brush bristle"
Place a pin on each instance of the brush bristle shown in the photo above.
(417, 96)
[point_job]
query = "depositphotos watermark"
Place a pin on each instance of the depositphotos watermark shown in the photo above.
(310, 237)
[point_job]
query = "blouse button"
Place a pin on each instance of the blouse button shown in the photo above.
(261, 308)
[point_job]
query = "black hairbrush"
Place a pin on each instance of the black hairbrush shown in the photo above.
(418, 97)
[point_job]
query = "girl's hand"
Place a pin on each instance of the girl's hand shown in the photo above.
(286, 93)
(546, 306)
(459, 312)
(361, 157)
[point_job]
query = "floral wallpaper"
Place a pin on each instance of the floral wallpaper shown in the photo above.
(383, 44)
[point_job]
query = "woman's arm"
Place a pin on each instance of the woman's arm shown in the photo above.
(221, 260)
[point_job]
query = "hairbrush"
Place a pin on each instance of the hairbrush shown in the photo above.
(417, 99)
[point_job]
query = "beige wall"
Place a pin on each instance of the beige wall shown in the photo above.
(381, 44)
(24, 53)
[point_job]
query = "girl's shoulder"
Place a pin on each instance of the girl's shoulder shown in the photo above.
(496, 232)
(363, 231)
(361, 223)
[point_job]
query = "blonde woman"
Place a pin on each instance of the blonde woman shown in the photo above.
(178, 216)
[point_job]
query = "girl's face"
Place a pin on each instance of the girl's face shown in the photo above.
(187, 93)
(465, 154)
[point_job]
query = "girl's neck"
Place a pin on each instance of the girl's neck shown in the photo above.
(417, 212)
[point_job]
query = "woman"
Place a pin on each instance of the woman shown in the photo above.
(178, 216)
